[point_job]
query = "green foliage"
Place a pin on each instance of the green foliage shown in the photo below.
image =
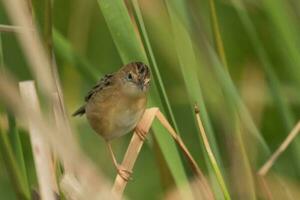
(208, 52)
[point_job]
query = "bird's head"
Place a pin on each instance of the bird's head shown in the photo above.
(135, 78)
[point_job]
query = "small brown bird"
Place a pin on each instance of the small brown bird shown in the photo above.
(116, 103)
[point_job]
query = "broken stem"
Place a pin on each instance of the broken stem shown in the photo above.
(266, 167)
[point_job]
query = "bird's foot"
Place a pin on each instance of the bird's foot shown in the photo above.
(125, 174)
(140, 133)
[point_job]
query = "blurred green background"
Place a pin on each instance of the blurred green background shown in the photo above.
(262, 47)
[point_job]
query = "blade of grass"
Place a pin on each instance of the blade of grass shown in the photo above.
(188, 65)
(153, 63)
(217, 33)
(211, 155)
(287, 28)
(12, 168)
(64, 50)
(130, 49)
(17, 146)
(13, 131)
(240, 140)
(235, 100)
(273, 81)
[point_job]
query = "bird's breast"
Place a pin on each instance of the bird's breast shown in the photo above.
(127, 116)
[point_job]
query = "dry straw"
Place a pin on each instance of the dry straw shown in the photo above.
(292, 135)
(40, 148)
(57, 136)
(92, 182)
(32, 46)
(135, 147)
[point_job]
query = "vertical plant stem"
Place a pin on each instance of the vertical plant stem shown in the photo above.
(48, 27)
(234, 111)
(17, 145)
(217, 33)
(211, 155)
(274, 83)
(40, 148)
(204, 183)
(245, 162)
(11, 165)
(14, 133)
(153, 62)
(131, 49)
(64, 50)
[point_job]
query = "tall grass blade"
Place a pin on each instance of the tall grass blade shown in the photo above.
(130, 49)
(14, 135)
(22, 191)
(188, 65)
(13, 130)
(217, 33)
(288, 30)
(153, 63)
(64, 50)
(273, 82)
(211, 155)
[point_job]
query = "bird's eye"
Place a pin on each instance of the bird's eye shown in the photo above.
(129, 77)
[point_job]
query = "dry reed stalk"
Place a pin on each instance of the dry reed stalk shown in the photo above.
(46, 75)
(81, 179)
(12, 29)
(207, 192)
(40, 148)
(133, 150)
(71, 187)
(31, 43)
(292, 135)
(93, 184)
(61, 125)
(265, 188)
(135, 147)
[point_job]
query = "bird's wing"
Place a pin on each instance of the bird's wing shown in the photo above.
(102, 83)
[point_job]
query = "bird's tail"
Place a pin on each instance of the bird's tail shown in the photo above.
(79, 112)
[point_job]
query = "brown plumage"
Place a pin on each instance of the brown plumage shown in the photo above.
(116, 103)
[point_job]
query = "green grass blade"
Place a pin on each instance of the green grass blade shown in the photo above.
(16, 173)
(22, 191)
(64, 50)
(130, 49)
(287, 28)
(18, 148)
(188, 66)
(235, 100)
(152, 60)
(217, 33)
(273, 81)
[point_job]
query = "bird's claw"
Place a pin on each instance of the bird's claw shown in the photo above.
(125, 174)
(140, 133)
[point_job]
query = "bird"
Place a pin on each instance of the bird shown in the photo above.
(115, 105)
